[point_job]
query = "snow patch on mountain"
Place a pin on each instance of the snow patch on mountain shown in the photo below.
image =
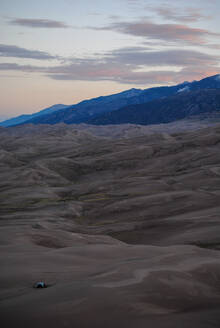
(186, 88)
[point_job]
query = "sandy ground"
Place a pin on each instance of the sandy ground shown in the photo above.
(108, 283)
(125, 232)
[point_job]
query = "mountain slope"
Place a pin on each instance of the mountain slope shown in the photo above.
(92, 108)
(89, 109)
(22, 118)
(182, 105)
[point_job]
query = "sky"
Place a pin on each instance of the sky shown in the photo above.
(65, 51)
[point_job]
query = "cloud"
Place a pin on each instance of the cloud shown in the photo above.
(165, 32)
(130, 66)
(122, 76)
(138, 66)
(21, 68)
(18, 52)
(178, 15)
(213, 45)
(133, 4)
(140, 78)
(139, 56)
(38, 23)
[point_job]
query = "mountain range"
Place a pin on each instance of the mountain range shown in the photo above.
(165, 110)
(26, 117)
(150, 106)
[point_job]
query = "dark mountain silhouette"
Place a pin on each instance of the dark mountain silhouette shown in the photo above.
(88, 110)
(23, 118)
(173, 108)
(92, 110)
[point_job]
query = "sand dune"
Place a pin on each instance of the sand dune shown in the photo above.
(125, 231)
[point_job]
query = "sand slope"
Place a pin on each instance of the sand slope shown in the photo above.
(125, 231)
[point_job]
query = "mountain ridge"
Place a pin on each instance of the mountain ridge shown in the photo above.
(176, 107)
(89, 110)
(25, 117)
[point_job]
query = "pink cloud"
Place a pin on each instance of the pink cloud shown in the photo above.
(179, 15)
(166, 32)
(130, 66)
